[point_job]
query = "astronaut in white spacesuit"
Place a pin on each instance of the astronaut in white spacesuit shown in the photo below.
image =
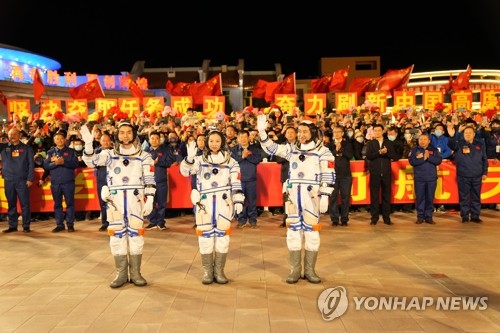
(129, 195)
(217, 197)
(307, 191)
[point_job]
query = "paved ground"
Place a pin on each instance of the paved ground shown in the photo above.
(59, 282)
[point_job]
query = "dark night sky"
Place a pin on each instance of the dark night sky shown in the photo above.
(85, 38)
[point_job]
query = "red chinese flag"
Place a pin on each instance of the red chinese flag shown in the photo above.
(211, 87)
(338, 80)
(320, 86)
(462, 80)
(360, 85)
(38, 86)
(259, 91)
(447, 87)
(136, 91)
(394, 79)
(287, 86)
(178, 89)
(214, 84)
(89, 90)
(271, 89)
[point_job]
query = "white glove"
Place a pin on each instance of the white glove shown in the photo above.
(323, 204)
(191, 151)
(238, 208)
(88, 138)
(105, 193)
(261, 123)
(148, 206)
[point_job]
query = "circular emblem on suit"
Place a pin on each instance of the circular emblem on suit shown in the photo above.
(117, 170)
(207, 175)
(214, 184)
(125, 179)
(295, 165)
(300, 175)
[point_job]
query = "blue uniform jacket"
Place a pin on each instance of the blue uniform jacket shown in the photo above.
(248, 166)
(165, 160)
(424, 169)
(18, 162)
(472, 164)
(65, 173)
(441, 143)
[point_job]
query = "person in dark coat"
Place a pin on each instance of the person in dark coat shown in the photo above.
(424, 158)
(472, 168)
(18, 172)
(380, 153)
(341, 148)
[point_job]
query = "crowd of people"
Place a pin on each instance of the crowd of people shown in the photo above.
(131, 161)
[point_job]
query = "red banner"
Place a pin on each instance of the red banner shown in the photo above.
(270, 190)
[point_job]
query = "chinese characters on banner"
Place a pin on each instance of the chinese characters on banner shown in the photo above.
(344, 102)
(212, 105)
(489, 97)
(314, 104)
(269, 185)
(18, 108)
(181, 103)
(430, 98)
(404, 99)
(286, 102)
(461, 100)
(379, 98)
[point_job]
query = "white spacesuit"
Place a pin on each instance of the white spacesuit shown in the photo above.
(130, 179)
(218, 195)
(307, 190)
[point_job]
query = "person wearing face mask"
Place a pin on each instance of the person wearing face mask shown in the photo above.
(357, 145)
(440, 141)
(350, 134)
(77, 145)
(409, 141)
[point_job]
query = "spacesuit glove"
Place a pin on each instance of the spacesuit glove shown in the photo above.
(238, 208)
(88, 138)
(148, 206)
(261, 123)
(191, 151)
(323, 204)
(105, 193)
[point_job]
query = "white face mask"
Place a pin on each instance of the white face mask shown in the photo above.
(25, 141)
(391, 137)
(78, 148)
(350, 134)
(408, 136)
(360, 139)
